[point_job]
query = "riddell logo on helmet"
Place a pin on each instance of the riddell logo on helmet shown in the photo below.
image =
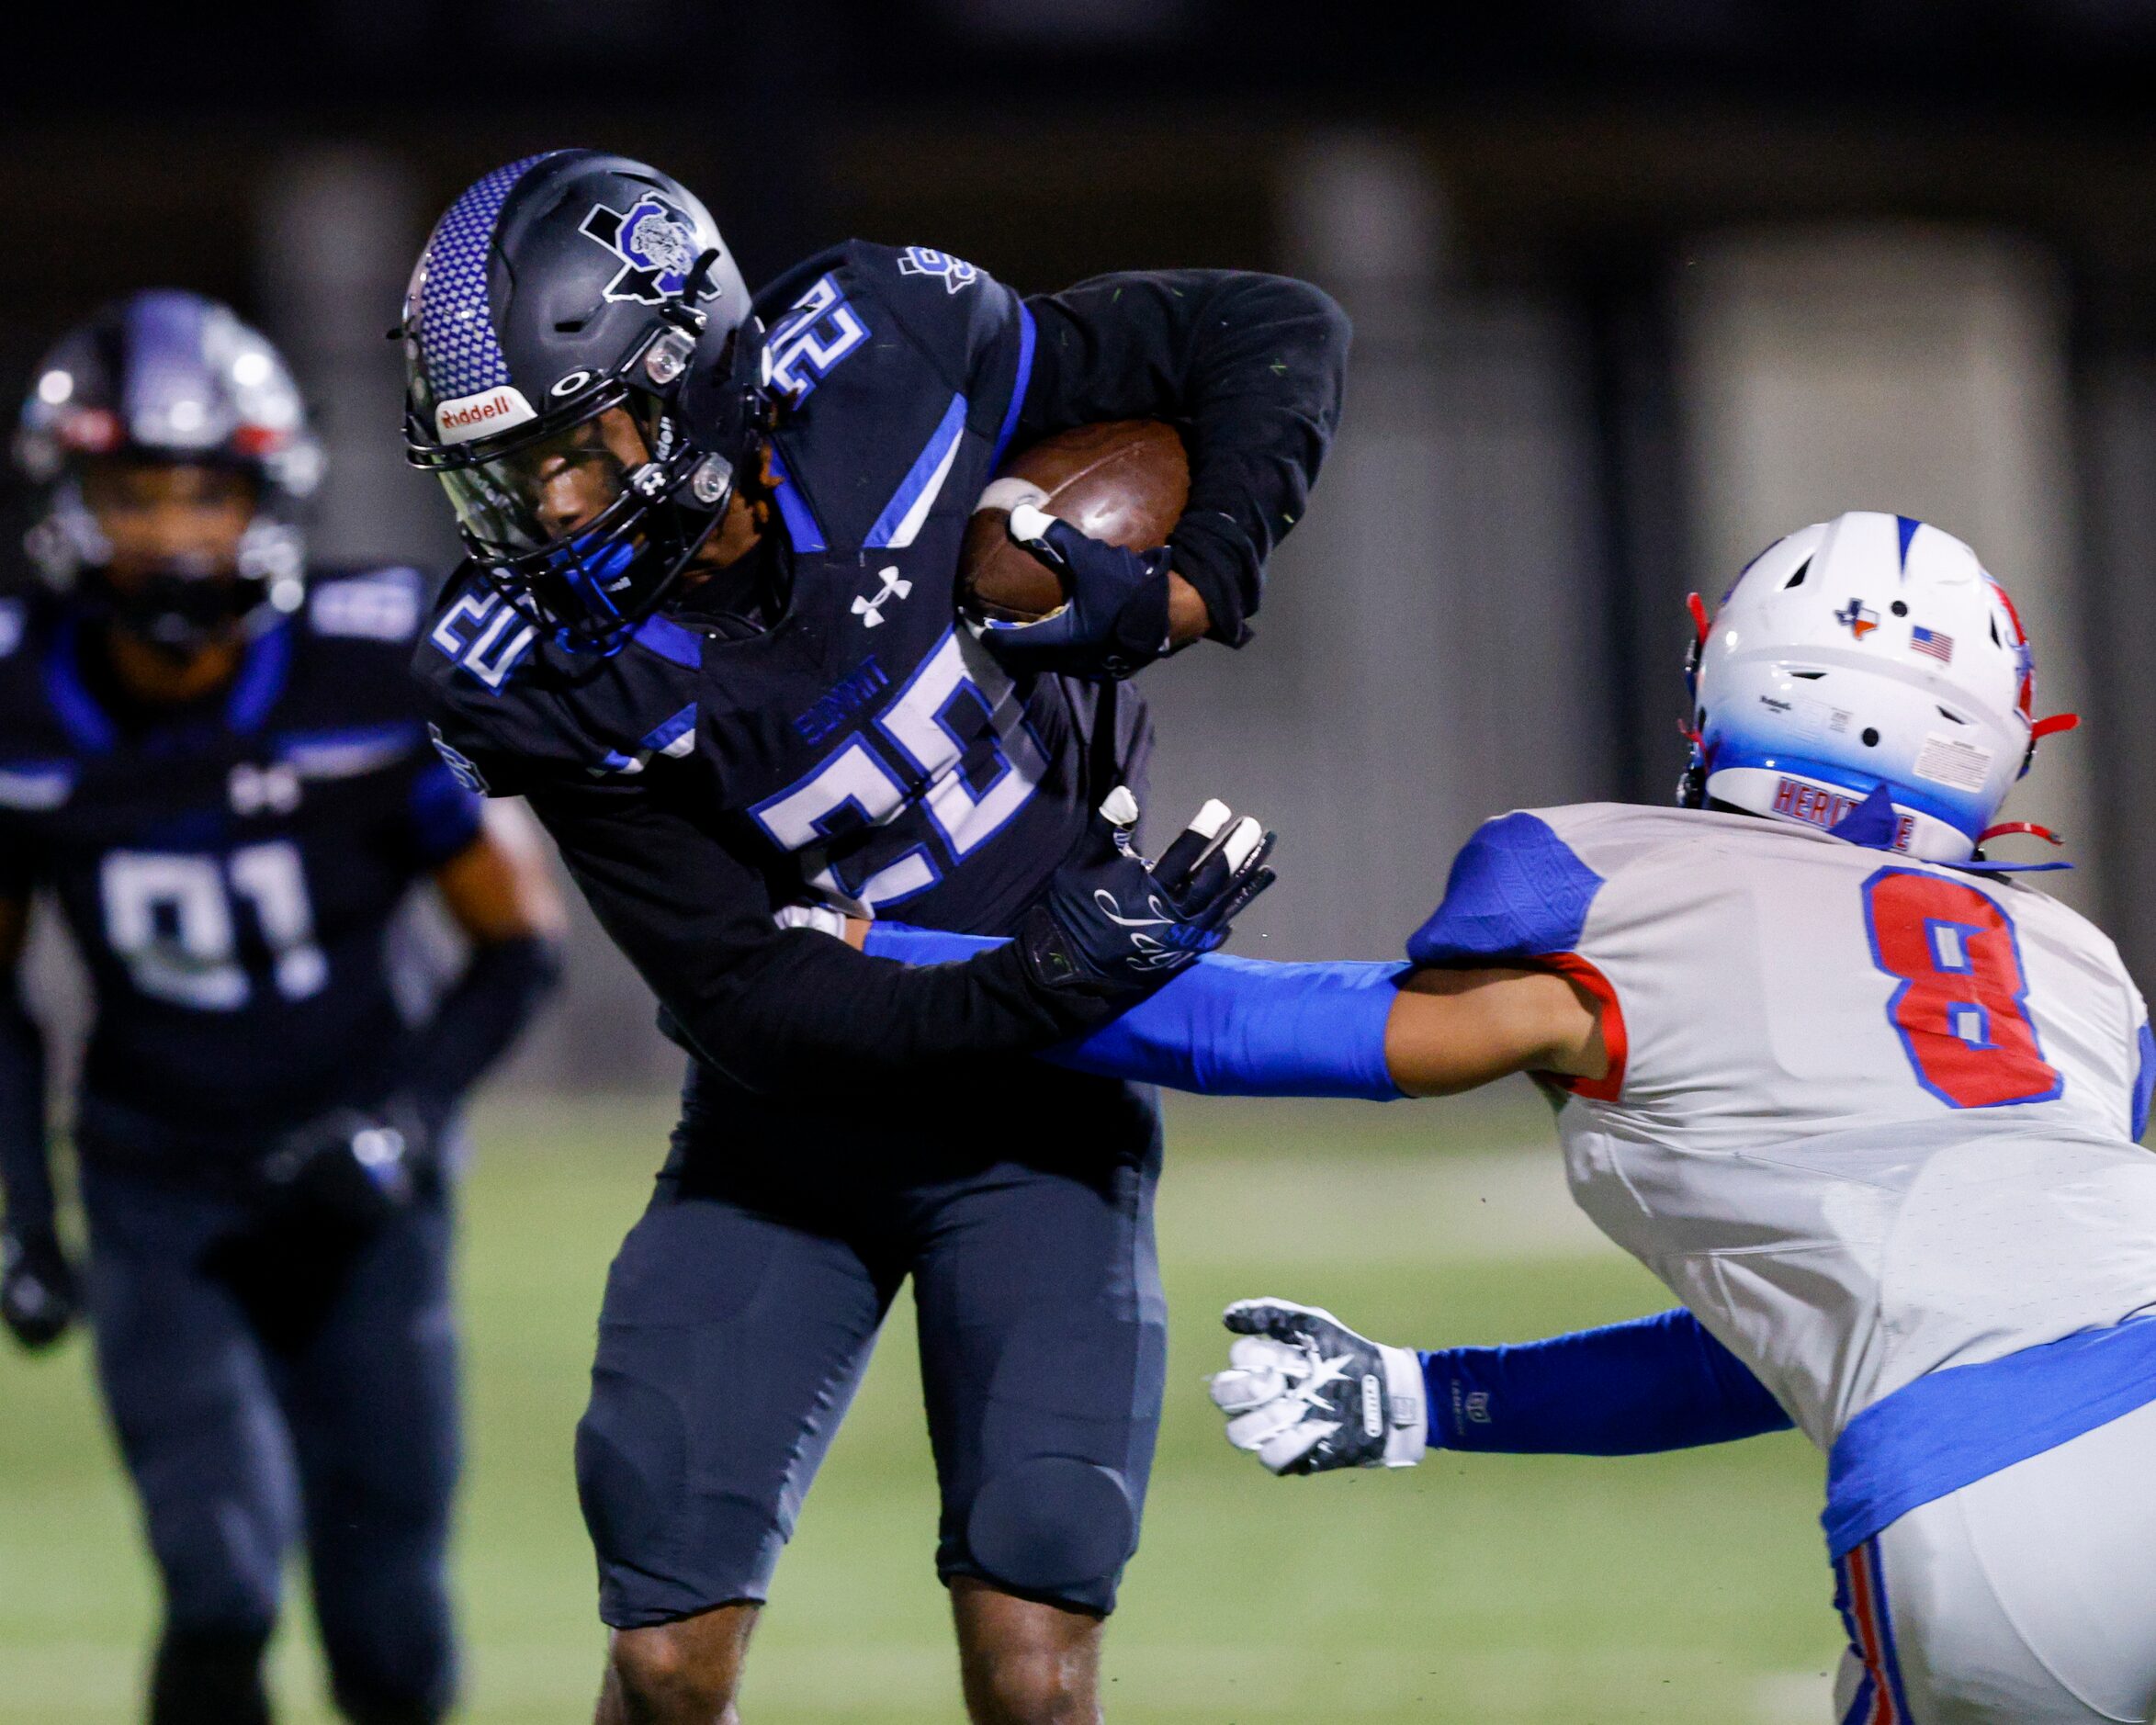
(465, 417)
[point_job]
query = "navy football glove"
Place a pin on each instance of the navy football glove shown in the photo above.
(1113, 622)
(37, 1293)
(1114, 923)
(354, 1167)
(1305, 1394)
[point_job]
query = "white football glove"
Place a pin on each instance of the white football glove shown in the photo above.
(1306, 1395)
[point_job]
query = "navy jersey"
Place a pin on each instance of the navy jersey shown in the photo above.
(227, 872)
(864, 749)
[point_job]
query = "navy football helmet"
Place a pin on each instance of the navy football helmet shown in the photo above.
(585, 379)
(168, 378)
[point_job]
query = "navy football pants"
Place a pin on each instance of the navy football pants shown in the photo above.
(743, 1306)
(266, 1391)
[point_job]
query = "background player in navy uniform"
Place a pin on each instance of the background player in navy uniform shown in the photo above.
(216, 769)
(709, 631)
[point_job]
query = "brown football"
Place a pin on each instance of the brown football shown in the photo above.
(1124, 482)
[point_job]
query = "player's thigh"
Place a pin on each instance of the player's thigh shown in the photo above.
(190, 1398)
(2030, 1596)
(1044, 1349)
(371, 1401)
(371, 1398)
(730, 1343)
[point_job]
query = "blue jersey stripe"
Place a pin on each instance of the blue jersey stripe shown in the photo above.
(88, 725)
(923, 480)
(666, 638)
(794, 511)
(1018, 388)
(672, 730)
(2144, 1082)
(260, 678)
(1955, 1427)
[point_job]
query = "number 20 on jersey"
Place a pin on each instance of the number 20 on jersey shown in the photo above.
(1961, 1007)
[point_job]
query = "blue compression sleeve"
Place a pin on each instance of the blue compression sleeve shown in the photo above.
(1656, 1383)
(1226, 1027)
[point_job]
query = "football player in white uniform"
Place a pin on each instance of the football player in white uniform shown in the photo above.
(1867, 1102)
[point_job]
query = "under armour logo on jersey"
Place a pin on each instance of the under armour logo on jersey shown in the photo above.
(871, 611)
(271, 790)
(657, 244)
(921, 260)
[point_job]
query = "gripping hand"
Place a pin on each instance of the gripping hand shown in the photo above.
(1306, 1395)
(1114, 923)
(38, 1298)
(1114, 621)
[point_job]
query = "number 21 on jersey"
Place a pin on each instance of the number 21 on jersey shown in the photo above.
(1961, 1008)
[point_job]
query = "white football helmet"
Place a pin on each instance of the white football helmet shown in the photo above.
(1867, 654)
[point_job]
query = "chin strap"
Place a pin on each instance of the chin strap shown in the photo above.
(1979, 864)
(2031, 827)
(2042, 728)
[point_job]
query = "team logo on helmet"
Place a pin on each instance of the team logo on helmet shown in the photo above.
(1857, 617)
(657, 245)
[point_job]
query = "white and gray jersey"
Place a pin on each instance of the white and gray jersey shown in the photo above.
(1866, 1116)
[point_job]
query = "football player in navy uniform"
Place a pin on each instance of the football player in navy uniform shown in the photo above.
(708, 628)
(215, 768)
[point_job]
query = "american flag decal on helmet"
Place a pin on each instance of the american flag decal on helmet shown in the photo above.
(1931, 643)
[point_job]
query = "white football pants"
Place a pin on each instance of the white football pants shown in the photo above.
(2027, 1598)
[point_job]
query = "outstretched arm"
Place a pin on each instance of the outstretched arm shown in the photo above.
(1659, 1383)
(780, 1006)
(1455, 1030)
(1226, 1027)
(1306, 1395)
(1247, 1027)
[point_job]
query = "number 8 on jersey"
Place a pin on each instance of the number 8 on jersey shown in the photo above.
(1961, 1009)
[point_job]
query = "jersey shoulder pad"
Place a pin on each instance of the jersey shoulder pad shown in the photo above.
(862, 295)
(374, 604)
(1518, 889)
(519, 711)
(352, 645)
(948, 307)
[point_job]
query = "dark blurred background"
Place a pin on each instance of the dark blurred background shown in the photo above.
(1639, 285)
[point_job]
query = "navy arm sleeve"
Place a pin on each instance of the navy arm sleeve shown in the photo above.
(1655, 1383)
(780, 1009)
(26, 1170)
(1226, 1027)
(477, 1021)
(1251, 366)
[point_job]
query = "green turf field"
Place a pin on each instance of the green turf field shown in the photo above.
(1685, 1588)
